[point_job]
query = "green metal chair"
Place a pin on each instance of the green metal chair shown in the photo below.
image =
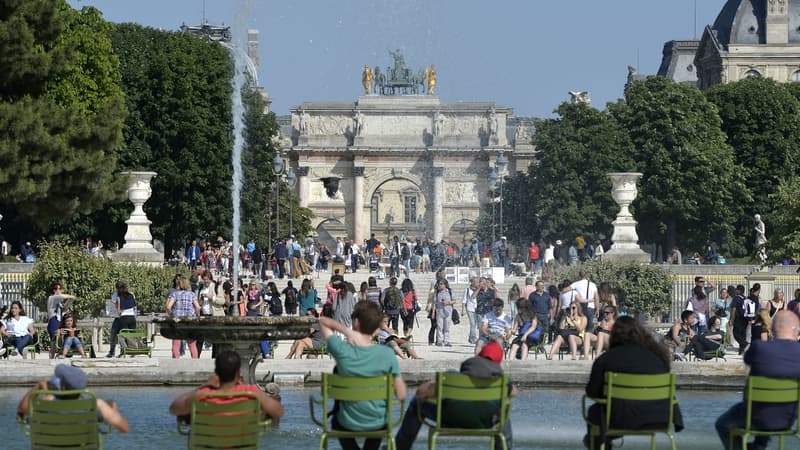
(343, 388)
(126, 336)
(450, 387)
(64, 419)
(625, 386)
(768, 390)
(229, 420)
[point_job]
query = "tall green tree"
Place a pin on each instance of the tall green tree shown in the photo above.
(61, 113)
(258, 194)
(567, 192)
(762, 121)
(784, 237)
(689, 192)
(178, 91)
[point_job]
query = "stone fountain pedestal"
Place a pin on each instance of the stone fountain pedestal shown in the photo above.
(240, 334)
(626, 241)
(138, 247)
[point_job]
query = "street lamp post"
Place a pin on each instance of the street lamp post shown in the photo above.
(291, 180)
(493, 183)
(277, 170)
(500, 163)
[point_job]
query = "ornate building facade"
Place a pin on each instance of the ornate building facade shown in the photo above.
(751, 38)
(400, 164)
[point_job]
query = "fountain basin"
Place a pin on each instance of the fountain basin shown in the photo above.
(236, 329)
(240, 334)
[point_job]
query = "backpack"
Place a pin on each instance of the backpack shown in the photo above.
(275, 307)
(394, 299)
(749, 308)
(291, 298)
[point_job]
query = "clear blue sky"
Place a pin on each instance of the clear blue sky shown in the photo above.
(521, 53)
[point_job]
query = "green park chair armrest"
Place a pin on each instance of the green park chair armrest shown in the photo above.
(316, 401)
(584, 406)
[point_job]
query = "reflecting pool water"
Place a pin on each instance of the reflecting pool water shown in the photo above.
(542, 419)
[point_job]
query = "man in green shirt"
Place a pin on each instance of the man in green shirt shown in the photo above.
(360, 357)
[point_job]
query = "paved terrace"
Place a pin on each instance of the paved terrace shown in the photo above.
(161, 369)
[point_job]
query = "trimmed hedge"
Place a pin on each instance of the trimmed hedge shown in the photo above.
(93, 279)
(639, 288)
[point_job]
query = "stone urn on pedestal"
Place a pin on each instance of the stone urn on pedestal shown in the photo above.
(138, 245)
(626, 241)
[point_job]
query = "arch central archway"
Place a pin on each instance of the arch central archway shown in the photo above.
(398, 207)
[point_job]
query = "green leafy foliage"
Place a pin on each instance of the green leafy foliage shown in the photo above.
(61, 113)
(762, 121)
(178, 90)
(93, 279)
(641, 288)
(784, 240)
(570, 190)
(258, 194)
(690, 189)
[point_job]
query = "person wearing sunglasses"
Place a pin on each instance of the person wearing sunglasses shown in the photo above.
(571, 331)
(600, 335)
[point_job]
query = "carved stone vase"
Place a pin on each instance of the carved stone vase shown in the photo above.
(138, 245)
(626, 241)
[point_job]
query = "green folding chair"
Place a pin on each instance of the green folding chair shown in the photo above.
(457, 387)
(343, 388)
(768, 390)
(64, 419)
(225, 420)
(625, 386)
(133, 342)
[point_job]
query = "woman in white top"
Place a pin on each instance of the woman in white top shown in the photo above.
(19, 329)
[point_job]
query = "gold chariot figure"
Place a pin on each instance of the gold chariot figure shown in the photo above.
(430, 76)
(366, 79)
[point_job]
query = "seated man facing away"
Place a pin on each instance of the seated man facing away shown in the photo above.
(485, 365)
(69, 378)
(360, 357)
(227, 377)
(779, 358)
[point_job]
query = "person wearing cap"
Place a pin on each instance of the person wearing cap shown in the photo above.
(69, 378)
(486, 366)
(227, 378)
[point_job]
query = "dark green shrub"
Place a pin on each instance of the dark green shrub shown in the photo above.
(641, 288)
(93, 279)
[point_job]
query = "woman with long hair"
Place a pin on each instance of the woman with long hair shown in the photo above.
(632, 349)
(183, 303)
(525, 325)
(362, 291)
(513, 296)
(409, 311)
(777, 302)
(19, 329)
(125, 303)
(606, 295)
(571, 330)
(600, 336)
(307, 297)
(444, 312)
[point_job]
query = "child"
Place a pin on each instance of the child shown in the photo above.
(69, 334)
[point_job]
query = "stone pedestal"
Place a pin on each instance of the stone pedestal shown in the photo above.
(626, 241)
(138, 247)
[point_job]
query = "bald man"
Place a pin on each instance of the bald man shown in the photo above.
(779, 358)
